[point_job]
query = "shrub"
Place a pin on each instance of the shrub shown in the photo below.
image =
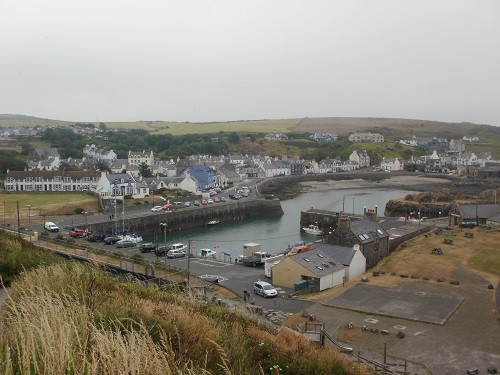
(79, 211)
(119, 254)
(139, 258)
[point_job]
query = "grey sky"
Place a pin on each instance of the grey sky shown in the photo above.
(121, 60)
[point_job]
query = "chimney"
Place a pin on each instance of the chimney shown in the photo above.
(371, 214)
(344, 223)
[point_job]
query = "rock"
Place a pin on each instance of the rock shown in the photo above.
(425, 277)
(364, 279)
(490, 286)
(404, 275)
(384, 332)
(401, 334)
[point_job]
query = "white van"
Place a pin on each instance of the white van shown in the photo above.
(50, 226)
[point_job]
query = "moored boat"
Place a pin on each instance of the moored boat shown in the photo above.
(312, 229)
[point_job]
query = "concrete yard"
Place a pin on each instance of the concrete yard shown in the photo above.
(412, 305)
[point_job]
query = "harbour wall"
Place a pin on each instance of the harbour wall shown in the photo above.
(186, 218)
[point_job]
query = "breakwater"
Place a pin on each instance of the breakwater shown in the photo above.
(186, 218)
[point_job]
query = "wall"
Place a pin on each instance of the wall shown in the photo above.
(147, 224)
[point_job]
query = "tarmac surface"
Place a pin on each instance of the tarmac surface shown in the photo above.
(412, 305)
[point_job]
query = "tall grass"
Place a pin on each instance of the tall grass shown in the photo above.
(74, 319)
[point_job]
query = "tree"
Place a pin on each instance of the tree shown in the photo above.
(144, 170)
(103, 126)
(233, 137)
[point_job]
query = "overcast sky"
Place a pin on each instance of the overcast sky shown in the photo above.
(120, 60)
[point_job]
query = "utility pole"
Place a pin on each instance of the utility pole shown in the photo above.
(343, 204)
(189, 260)
(18, 221)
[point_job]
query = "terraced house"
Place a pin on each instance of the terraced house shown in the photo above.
(43, 180)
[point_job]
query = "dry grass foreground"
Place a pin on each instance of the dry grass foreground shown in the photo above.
(73, 319)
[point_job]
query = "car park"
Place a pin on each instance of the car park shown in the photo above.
(176, 253)
(111, 240)
(51, 227)
(147, 247)
(157, 209)
(125, 243)
(264, 289)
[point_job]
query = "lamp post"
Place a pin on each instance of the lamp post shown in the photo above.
(4, 213)
(114, 194)
(353, 204)
(29, 214)
(164, 225)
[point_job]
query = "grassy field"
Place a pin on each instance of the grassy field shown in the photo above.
(44, 204)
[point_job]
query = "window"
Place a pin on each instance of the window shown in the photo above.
(379, 231)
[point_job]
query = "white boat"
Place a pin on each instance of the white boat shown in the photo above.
(213, 222)
(132, 237)
(312, 229)
(208, 253)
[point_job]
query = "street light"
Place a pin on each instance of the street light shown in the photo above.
(165, 225)
(29, 214)
(353, 204)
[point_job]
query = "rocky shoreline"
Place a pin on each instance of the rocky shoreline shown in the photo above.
(290, 187)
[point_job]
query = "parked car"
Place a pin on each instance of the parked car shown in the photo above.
(157, 209)
(146, 247)
(196, 203)
(111, 240)
(203, 202)
(222, 199)
(176, 253)
(51, 227)
(216, 200)
(168, 207)
(264, 289)
(187, 204)
(178, 204)
(77, 233)
(210, 201)
(233, 196)
(96, 237)
(161, 251)
(125, 243)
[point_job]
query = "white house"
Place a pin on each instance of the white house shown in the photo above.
(392, 164)
(350, 257)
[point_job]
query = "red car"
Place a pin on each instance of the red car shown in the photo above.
(216, 200)
(77, 233)
(168, 207)
(204, 202)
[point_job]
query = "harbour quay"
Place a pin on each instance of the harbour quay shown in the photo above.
(147, 223)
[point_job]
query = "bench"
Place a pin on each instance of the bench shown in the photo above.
(447, 241)
(437, 250)
(469, 234)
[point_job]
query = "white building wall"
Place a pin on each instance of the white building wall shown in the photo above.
(332, 279)
(357, 266)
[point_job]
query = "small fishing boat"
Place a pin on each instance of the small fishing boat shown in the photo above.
(312, 229)
(213, 222)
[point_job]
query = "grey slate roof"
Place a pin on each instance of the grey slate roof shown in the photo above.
(367, 230)
(484, 211)
(341, 254)
(317, 262)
